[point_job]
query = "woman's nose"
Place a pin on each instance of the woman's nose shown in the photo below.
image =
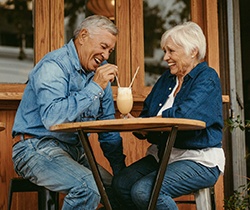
(166, 56)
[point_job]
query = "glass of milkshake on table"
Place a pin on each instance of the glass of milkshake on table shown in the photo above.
(124, 100)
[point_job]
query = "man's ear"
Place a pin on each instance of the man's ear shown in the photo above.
(82, 35)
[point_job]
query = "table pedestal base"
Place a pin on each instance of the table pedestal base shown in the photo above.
(159, 178)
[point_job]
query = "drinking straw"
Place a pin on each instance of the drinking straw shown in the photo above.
(117, 81)
(134, 76)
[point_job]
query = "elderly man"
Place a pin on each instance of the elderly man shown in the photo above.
(69, 84)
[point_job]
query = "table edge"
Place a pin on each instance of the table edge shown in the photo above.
(159, 123)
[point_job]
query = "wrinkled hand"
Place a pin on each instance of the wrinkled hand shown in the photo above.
(105, 74)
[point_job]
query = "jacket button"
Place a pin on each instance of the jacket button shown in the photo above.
(170, 88)
(160, 104)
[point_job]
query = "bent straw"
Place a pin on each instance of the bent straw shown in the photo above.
(117, 81)
(134, 76)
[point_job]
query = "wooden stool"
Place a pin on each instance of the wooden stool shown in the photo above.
(204, 199)
(47, 200)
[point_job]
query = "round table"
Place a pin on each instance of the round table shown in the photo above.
(125, 125)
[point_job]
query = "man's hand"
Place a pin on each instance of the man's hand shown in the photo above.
(105, 74)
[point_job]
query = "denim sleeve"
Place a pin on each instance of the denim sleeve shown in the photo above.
(202, 100)
(57, 101)
(108, 112)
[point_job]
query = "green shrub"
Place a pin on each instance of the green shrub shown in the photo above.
(240, 200)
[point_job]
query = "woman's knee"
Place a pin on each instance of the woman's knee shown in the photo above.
(141, 195)
(141, 192)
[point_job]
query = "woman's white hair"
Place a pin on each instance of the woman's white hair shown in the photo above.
(95, 22)
(188, 35)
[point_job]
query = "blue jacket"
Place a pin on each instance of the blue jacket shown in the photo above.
(200, 98)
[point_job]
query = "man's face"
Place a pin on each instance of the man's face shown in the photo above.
(94, 48)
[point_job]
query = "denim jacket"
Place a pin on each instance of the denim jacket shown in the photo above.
(199, 98)
(60, 91)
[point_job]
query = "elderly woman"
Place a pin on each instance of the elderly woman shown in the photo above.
(188, 89)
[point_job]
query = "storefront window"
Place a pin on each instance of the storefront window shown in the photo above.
(16, 40)
(158, 17)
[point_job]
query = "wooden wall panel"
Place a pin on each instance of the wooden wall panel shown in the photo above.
(211, 18)
(20, 201)
(123, 46)
(41, 28)
(56, 24)
(48, 26)
(207, 18)
(198, 15)
(140, 91)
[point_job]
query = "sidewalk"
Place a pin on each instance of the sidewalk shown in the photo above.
(13, 70)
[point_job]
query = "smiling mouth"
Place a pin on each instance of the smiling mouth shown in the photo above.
(171, 64)
(98, 61)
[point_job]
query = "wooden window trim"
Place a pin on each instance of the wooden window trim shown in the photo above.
(49, 35)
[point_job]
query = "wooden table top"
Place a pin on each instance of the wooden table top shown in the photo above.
(2, 126)
(131, 124)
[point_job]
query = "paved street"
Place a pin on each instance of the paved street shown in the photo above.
(13, 70)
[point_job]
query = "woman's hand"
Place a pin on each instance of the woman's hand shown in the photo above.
(127, 116)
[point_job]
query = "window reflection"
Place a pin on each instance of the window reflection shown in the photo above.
(16, 40)
(76, 11)
(102, 7)
(160, 15)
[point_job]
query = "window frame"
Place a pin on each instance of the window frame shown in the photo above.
(48, 21)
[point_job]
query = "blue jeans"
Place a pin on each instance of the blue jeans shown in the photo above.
(60, 167)
(133, 185)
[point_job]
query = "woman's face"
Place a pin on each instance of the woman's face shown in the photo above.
(178, 61)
